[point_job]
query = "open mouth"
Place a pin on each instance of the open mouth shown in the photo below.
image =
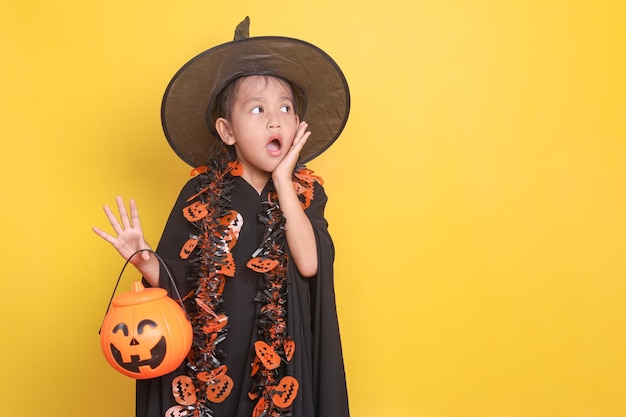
(274, 145)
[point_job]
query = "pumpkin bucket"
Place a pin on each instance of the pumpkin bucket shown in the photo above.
(145, 334)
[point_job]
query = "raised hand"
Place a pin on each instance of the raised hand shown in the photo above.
(128, 239)
(299, 231)
(285, 168)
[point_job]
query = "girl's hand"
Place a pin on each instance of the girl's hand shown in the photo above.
(298, 228)
(285, 168)
(128, 237)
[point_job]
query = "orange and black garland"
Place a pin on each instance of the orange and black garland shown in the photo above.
(217, 225)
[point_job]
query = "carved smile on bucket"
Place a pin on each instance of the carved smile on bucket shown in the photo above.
(157, 356)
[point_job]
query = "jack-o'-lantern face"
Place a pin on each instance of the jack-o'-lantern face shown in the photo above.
(285, 392)
(145, 334)
(227, 267)
(195, 211)
(219, 389)
(140, 346)
(178, 411)
(266, 354)
(262, 265)
(184, 390)
(290, 348)
(188, 247)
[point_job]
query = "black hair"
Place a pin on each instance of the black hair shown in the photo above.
(228, 95)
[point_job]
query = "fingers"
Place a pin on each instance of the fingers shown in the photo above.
(299, 144)
(104, 235)
(285, 167)
(113, 220)
(134, 218)
(122, 210)
(301, 134)
(125, 221)
(134, 213)
(128, 237)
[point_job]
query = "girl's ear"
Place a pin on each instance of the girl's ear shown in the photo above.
(223, 128)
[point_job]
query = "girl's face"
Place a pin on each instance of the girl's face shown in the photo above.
(262, 124)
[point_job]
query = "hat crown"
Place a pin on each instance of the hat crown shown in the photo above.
(242, 31)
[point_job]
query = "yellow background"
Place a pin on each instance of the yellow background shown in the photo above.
(477, 195)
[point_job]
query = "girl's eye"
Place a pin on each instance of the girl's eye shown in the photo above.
(257, 110)
(285, 108)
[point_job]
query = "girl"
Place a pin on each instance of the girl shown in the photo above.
(247, 240)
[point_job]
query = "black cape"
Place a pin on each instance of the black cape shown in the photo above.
(312, 318)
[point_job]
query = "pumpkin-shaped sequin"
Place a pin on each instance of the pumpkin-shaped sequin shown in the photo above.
(290, 347)
(184, 390)
(260, 408)
(188, 247)
(285, 392)
(236, 169)
(177, 411)
(266, 355)
(195, 211)
(219, 388)
(262, 265)
(227, 266)
(205, 376)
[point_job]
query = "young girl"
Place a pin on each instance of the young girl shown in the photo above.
(247, 240)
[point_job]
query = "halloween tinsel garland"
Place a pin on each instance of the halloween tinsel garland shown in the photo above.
(209, 210)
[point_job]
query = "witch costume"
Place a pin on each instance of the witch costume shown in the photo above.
(265, 339)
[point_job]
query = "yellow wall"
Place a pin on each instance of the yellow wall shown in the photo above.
(477, 196)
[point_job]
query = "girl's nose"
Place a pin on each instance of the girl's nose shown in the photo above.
(274, 122)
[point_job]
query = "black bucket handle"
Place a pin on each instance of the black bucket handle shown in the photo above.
(169, 274)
